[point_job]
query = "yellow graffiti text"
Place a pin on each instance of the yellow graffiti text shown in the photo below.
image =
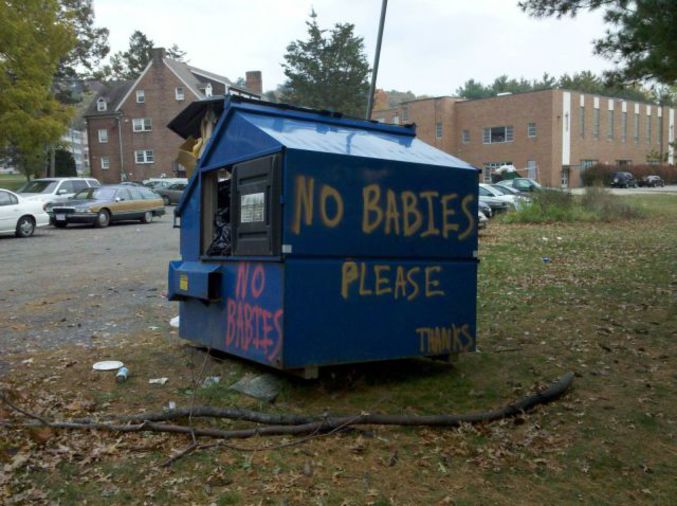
(396, 281)
(441, 340)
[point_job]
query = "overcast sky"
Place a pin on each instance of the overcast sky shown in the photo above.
(429, 46)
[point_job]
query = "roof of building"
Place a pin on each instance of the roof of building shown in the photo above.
(194, 78)
(113, 93)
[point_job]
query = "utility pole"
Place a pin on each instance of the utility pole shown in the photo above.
(377, 56)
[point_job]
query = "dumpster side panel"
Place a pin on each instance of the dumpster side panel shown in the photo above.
(356, 310)
(364, 207)
(248, 320)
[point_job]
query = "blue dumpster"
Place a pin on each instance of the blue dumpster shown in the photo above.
(309, 239)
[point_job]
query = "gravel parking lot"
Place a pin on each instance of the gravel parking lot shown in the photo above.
(84, 284)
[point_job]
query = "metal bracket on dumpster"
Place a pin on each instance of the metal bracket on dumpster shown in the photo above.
(194, 280)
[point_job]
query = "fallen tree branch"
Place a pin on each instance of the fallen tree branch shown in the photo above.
(314, 425)
(528, 402)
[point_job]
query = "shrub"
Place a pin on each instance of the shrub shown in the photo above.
(552, 206)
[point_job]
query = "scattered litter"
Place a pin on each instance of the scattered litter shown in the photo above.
(265, 387)
(544, 238)
(174, 322)
(158, 381)
(559, 238)
(122, 375)
(171, 405)
(546, 260)
(211, 380)
(153, 327)
(107, 365)
(28, 361)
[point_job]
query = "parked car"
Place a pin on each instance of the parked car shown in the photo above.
(20, 216)
(55, 189)
(516, 201)
(105, 204)
(623, 180)
(165, 182)
(497, 205)
(484, 208)
(523, 184)
(652, 181)
(481, 220)
(171, 194)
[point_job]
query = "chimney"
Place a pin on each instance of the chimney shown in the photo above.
(253, 82)
(157, 54)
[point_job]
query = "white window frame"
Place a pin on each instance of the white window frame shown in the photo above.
(101, 104)
(105, 163)
(140, 96)
(439, 130)
(103, 135)
(531, 130)
(142, 124)
(144, 156)
(465, 136)
(179, 94)
(507, 135)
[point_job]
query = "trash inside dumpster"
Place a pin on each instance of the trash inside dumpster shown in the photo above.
(309, 239)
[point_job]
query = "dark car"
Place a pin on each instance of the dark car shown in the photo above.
(171, 194)
(523, 184)
(103, 205)
(652, 181)
(623, 180)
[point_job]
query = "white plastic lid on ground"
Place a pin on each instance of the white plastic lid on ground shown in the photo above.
(174, 322)
(107, 365)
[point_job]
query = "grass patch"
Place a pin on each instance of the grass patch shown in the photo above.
(11, 182)
(602, 307)
(596, 205)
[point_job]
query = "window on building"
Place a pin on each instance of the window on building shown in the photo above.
(635, 129)
(103, 135)
(659, 130)
(141, 125)
(624, 163)
(624, 126)
(532, 171)
(586, 164)
(495, 135)
(178, 93)
(648, 129)
(581, 121)
(438, 130)
(144, 156)
(105, 163)
(101, 104)
(465, 136)
(405, 113)
(208, 90)
(531, 130)
(595, 124)
(396, 120)
(140, 96)
(610, 125)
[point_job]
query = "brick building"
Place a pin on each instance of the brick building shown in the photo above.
(549, 135)
(127, 122)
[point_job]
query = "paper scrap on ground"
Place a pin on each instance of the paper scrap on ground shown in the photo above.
(174, 322)
(158, 381)
(265, 387)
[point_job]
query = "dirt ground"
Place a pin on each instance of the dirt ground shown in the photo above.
(79, 285)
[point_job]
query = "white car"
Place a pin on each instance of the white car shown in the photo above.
(55, 189)
(515, 201)
(20, 216)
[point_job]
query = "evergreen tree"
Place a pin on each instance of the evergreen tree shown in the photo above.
(328, 70)
(641, 38)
